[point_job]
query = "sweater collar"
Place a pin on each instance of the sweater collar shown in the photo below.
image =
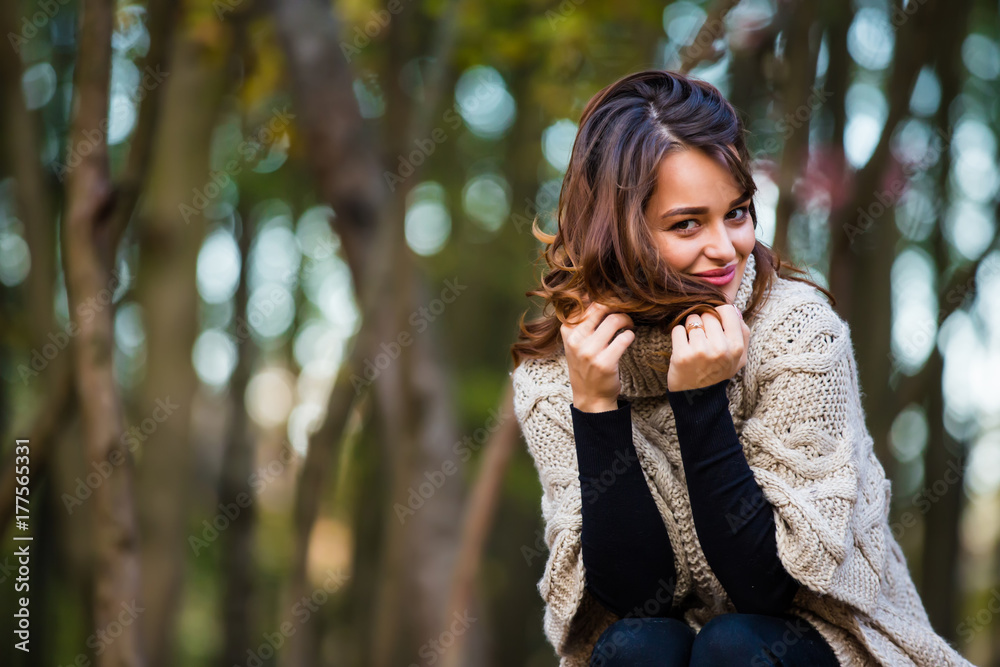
(638, 378)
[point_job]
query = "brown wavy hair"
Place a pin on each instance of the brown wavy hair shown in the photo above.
(603, 249)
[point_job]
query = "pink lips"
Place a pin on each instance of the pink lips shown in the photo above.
(720, 279)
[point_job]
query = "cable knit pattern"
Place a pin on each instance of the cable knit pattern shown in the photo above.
(797, 409)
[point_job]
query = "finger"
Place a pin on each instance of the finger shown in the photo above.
(717, 344)
(597, 343)
(696, 336)
(586, 324)
(679, 338)
(714, 333)
(729, 315)
(607, 328)
(732, 324)
(592, 317)
(613, 352)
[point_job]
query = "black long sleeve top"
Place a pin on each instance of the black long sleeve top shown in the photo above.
(627, 554)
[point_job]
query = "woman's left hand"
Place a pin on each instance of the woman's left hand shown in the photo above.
(711, 354)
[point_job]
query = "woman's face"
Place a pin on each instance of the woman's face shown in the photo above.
(700, 217)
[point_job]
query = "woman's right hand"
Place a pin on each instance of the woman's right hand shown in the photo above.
(592, 356)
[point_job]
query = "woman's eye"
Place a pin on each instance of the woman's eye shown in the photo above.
(741, 213)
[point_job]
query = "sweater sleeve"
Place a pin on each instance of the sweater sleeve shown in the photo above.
(813, 457)
(733, 520)
(627, 554)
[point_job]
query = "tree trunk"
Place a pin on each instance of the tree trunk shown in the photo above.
(237, 467)
(169, 244)
(88, 255)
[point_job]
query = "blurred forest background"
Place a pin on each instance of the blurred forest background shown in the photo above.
(261, 264)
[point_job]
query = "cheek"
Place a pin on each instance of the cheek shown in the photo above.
(677, 254)
(745, 240)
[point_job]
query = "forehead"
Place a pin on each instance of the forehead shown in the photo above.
(693, 177)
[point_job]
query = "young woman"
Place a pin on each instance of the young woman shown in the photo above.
(710, 494)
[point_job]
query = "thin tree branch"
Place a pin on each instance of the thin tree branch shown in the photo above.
(34, 195)
(799, 68)
(88, 254)
(702, 49)
(478, 519)
(163, 18)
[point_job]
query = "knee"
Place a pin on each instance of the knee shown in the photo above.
(729, 639)
(634, 641)
(620, 644)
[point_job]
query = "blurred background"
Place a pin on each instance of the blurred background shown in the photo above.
(261, 264)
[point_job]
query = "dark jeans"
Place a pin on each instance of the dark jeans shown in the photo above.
(734, 640)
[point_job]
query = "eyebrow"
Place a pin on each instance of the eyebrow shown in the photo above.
(701, 210)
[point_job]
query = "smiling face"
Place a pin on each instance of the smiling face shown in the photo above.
(699, 217)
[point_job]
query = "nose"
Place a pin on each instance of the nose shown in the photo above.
(719, 247)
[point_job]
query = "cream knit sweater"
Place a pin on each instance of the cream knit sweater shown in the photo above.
(797, 411)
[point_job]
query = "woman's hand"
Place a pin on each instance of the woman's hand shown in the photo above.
(592, 357)
(709, 355)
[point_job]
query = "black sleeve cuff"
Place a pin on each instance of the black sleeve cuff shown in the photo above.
(602, 438)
